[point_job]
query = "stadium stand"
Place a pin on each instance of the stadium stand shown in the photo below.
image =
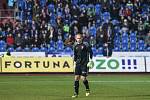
(44, 25)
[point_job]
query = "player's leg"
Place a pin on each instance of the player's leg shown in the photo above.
(86, 84)
(76, 85)
(76, 82)
(85, 80)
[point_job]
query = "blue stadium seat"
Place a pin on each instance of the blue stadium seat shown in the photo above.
(42, 2)
(60, 13)
(117, 37)
(115, 22)
(51, 50)
(51, 8)
(60, 44)
(26, 49)
(117, 30)
(91, 6)
(133, 44)
(106, 16)
(75, 2)
(124, 34)
(94, 51)
(148, 49)
(59, 49)
(141, 45)
(133, 40)
(2, 49)
(124, 40)
(52, 22)
(100, 51)
(97, 9)
(133, 34)
(141, 48)
(98, 22)
(2, 43)
(92, 31)
(18, 49)
(117, 41)
(141, 42)
(21, 4)
(43, 49)
(133, 47)
(68, 50)
(117, 45)
(125, 47)
(53, 17)
(11, 49)
(35, 49)
(83, 7)
(117, 49)
(52, 43)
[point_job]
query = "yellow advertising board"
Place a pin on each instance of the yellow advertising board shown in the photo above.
(0, 64)
(36, 64)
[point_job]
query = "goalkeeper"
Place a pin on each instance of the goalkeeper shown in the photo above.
(82, 53)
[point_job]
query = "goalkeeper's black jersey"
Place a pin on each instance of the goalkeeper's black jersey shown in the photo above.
(82, 52)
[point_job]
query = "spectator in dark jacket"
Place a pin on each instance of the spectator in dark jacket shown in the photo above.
(18, 40)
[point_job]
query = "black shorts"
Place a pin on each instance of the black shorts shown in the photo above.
(81, 70)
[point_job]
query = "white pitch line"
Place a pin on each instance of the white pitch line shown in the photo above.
(148, 81)
(96, 81)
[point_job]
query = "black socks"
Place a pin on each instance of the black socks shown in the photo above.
(76, 87)
(85, 82)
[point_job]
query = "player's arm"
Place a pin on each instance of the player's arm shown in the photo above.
(90, 64)
(90, 52)
(75, 55)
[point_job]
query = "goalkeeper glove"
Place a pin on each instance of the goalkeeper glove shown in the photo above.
(90, 64)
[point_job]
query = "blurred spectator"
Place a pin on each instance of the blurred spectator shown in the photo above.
(115, 10)
(10, 40)
(108, 39)
(44, 39)
(26, 41)
(35, 42)
(83, 20)
(2, 37)
(52, 35)
(59, 24)
(75, 30)
(69, 41)
(1, 31)
(125, 26)
(44, 16)
(127, 12)
(10, 4)
(141, 32)
(43, 20)
(18, 40)
(66, 28)
(147, 39)
(74, 12)
(86, 38)
(85, 30)
(92, 41)
(99, 37)
(36, 11)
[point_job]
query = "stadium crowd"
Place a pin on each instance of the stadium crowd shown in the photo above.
(54, 23)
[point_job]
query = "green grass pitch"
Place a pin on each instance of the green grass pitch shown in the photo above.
(60, 87)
